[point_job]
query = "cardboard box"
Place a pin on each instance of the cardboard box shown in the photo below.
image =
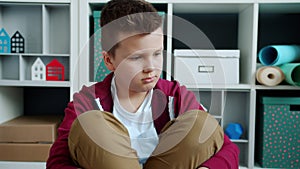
(277, 143)
(194, 67)
(30, 129)
(24, 152)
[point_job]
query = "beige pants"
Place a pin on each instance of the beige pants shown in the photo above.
(97, 140)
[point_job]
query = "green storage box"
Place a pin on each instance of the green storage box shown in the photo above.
(278, 141)
(100, 70)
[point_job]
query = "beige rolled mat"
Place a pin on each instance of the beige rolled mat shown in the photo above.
(269, 75)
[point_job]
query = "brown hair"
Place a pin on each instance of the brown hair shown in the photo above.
(126, 17)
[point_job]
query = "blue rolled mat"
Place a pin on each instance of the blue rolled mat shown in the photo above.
(273, 55)
(292, 73)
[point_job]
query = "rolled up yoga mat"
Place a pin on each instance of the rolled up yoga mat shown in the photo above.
(279, 54)
(292, 73)
(269, 75)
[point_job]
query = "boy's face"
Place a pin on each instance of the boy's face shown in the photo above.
(138, 61)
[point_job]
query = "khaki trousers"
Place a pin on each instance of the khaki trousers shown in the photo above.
(97, 140)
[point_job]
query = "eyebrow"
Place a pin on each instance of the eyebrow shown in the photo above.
(160, 49)
(141, 51)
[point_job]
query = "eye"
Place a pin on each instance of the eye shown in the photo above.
(136, 57)
(158, 53)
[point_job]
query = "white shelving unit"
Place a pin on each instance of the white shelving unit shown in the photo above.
(46, 33)
(228, 24)
(50, 30)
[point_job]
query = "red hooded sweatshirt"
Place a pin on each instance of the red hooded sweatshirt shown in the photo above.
(164, 91)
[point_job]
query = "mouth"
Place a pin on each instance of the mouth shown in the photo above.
(149, 79)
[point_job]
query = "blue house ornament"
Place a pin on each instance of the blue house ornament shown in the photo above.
(4, 41)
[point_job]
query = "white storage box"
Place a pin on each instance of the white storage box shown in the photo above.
(196, 67)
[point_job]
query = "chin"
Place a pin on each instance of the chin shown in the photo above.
(147, 87)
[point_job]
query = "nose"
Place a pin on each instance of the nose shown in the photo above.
(148, 66)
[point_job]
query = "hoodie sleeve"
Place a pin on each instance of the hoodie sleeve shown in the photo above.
(187, 101)
(59, 155)
(226, 158)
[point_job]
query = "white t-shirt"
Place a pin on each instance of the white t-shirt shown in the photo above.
(140, 125)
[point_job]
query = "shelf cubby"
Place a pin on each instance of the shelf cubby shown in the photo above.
(244, 151)
(14, 17)
(217, 26)
(278, 24)
(56, 33)
(236, 110)
(7, 71)
(28, 60)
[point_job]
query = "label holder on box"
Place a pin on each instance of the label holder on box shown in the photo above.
(206, 69)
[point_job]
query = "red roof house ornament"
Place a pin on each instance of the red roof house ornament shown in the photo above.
(55, 71)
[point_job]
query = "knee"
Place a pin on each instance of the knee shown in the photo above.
(211, 133)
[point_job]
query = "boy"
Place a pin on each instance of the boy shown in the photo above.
(133, 119)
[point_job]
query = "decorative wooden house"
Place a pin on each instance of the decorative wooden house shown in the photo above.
(55, 71)
(38, 70)
(4, 41)
(17, 43)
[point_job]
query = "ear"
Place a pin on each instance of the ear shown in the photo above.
(108, 61)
